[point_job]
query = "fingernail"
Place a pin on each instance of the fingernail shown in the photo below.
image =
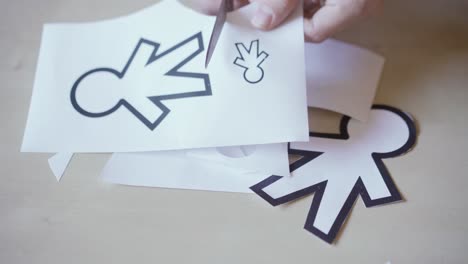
(263, 17)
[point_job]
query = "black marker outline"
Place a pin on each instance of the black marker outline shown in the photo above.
(249, 50)
(358, 189)
(155, 99)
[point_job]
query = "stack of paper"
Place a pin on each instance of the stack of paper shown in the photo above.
(136, 86)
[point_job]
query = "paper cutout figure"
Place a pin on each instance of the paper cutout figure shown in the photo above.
(251, 60)
(339, 167)
(142, 100)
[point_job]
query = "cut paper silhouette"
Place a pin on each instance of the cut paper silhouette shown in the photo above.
(338, 168)
(147, 62)
(251, 59)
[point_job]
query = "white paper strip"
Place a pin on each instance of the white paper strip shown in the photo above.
(59, 163)
(173, 169)
(342, 77)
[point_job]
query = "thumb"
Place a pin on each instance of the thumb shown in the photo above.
(334, 16)
(271, 13)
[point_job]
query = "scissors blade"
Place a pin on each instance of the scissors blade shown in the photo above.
(225, 7)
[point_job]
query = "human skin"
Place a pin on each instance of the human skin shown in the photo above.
(322, 19)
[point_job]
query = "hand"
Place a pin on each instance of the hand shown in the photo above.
(321, 20)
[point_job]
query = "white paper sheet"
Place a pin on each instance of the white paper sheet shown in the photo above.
(270, 159)
(109, 87)
(363, 62)
(59, 163)
(342, 77)
(173, 169)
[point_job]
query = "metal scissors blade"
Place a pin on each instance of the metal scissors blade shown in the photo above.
(225, 7)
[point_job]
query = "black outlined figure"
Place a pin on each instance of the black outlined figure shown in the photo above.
(340, 167)
(251, 59)
(149, 77)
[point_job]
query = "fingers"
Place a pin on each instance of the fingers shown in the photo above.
(325, 21)
(335, 15)
(210, 7)
(271, 13)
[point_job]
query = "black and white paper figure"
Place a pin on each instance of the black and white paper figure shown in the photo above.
(338, 168)
(250, 59)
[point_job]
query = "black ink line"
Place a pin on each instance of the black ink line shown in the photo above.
(155, 99)
(249, 50)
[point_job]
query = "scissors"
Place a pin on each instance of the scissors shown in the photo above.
(225, 7)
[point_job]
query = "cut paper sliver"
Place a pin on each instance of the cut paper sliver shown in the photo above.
(59, 163)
